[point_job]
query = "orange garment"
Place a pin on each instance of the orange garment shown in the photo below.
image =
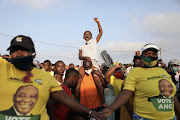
(89, 95)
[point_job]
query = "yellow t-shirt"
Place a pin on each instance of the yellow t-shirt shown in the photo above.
(117, 84)
(151, 85)
(30, 99)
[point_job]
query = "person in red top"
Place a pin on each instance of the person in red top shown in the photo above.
(71, 79)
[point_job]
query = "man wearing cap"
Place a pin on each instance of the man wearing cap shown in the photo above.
(143, 82)
(21, 72)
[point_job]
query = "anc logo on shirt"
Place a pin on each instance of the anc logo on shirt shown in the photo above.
(8, 117)
(39, 81)
(13, 79)
(166, 76)
(157, 77)
(162, 104)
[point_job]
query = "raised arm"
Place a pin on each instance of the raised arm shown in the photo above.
(110, 72)
(100, 29)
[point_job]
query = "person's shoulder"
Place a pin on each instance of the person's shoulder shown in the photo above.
(10, 111)
(2, 60)
(39, 71)
(162, 69)
(136, 69)
(5, 64)
(81, 47)
(94, 41)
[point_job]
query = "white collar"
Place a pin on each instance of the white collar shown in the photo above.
(88, 42)
(19, 114)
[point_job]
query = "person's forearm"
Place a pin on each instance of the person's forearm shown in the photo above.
(100, 32)
(66, 100)
(100, 28)
(82, 58)
(103, 80)
(99, 87)
(110, 72)
(121, 99)
(129, 109)
(177, 105)
(80, 55)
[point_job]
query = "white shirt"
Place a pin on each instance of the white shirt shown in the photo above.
(128, 70)
(90, 50)
(19, 114)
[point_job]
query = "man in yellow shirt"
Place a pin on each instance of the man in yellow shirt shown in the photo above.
(21, 73)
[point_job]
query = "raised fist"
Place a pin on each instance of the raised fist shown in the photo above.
(96, 19)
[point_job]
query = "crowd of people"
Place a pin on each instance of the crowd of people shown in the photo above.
(147, 89)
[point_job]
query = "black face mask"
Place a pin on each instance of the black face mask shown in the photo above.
(150, 61)
(22, 63)
(135, 65)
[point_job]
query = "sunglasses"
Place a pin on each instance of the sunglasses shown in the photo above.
(26, 79)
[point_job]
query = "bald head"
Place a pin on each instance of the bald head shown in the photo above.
(87, 64)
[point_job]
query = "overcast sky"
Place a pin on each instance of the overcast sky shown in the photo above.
(57, 27)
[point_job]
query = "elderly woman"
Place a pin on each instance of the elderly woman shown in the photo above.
(149, 103)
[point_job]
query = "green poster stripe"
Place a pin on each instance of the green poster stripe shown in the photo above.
(162, 104)
(8, 117)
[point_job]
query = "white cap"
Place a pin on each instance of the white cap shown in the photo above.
(149, 45)
(174, 62)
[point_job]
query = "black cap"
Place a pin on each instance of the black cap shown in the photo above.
(23, 41)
